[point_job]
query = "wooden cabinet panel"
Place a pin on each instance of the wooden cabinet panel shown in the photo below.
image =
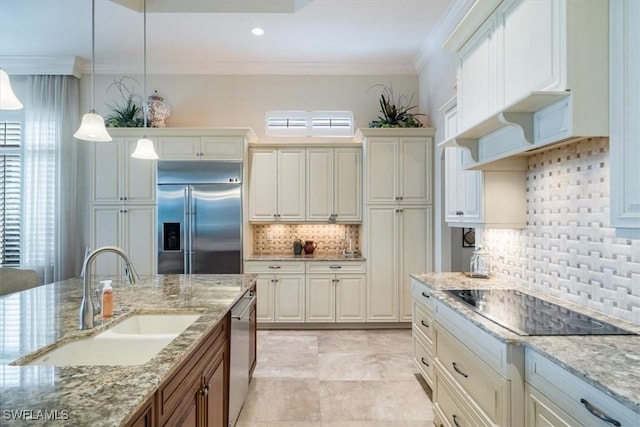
(291, 185)
(414, 170)
(381, 156)
(289, 298)
(145, 417)
(382, 243)
(319, 178)
(263, 185)
(350, 298)
(178, 147)
(320, 298)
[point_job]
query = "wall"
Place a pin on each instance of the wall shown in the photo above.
(332, 239)
(243, 100)
(568, 248)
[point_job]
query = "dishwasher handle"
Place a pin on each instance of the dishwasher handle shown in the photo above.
(247, 307)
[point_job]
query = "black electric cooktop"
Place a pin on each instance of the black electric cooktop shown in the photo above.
(525, 314)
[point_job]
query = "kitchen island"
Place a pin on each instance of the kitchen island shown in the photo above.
(38, 319)
(608, 364)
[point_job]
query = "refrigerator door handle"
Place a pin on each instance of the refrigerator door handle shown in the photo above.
(191, 213)
(187, 234)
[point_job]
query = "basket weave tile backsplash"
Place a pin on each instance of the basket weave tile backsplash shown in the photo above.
(278, 238)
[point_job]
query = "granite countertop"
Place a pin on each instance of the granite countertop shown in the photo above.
(100, 395)
(312, 257)
(610, 363)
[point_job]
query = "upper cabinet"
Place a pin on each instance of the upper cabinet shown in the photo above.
(625, 111)
(200, 148)
(398, 166)
(119, 178)
(532, 73)
(334, 184)
(277, 184)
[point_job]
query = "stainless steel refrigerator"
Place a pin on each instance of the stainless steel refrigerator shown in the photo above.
(199, 217)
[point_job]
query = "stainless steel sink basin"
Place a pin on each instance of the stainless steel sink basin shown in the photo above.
(133, 341)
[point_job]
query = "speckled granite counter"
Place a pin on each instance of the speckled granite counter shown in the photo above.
(611, 363)
(100, 395)
(313, 257)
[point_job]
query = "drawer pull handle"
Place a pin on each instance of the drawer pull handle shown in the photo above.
(426, 295)
(274, 267)
(424, 323)
(424, 362)
(455, 420)
(335, 266)
(458, 370)
(599, 414)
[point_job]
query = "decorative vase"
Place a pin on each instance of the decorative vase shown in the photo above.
(158, 110)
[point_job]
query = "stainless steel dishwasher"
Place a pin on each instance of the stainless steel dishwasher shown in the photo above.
(239, 366)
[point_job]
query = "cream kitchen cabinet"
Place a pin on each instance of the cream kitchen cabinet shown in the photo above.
(196, 147)
(277, 185)
(398, 165)
(334, 184)
(398, 243)
(482, 375)
(130, 227)
(281, 290)
(624, 113)
(119, 178)
(335, 292)
(554, 396)
(423, 327)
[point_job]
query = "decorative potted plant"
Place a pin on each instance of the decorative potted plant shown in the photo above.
(395, 112)
(127, 113)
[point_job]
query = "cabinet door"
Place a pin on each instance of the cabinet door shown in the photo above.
(347, 184)
(473, 183)
(107, 231)
(476, 77)
(291, 185)
(265, 303)
(415, 170)
(453, 188)
(382, 170)
(319, 176)
(349, 298)
(214, 413)
(320, 298)
(542, 412)
(107, 171)
(532, 47)
(221, 148)
(289, 298)
(139, 237)
(382, 244)
(415, 254)
(263, 185)
(625, 110)
(178, 147)
(139, 181)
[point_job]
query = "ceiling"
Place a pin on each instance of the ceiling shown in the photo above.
(310, 36)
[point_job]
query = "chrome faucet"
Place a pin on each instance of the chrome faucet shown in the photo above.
(86, 306)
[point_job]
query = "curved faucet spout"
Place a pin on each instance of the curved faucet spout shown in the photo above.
(86, 306)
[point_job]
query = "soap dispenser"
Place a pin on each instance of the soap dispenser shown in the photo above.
(480, 263)
(107, 299)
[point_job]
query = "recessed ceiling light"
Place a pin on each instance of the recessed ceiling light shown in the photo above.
(257, 31)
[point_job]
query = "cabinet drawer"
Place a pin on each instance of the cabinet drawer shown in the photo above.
(541, 411)
(452, 409)
(573, 394)
(422, 294)
(274, 267)
(335, 267)
(485, 386)
(423, 321)
(423, 358)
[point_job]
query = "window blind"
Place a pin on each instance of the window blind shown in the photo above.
(309, 123)
(10, 194)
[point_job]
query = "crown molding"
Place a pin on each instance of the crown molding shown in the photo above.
(449, 22)
(260, 68)
(55, 65)
(475, 16)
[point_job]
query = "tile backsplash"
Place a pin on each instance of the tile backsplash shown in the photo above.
(278, 238)
(568, 248)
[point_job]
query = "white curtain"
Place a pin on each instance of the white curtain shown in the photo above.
(50, 221)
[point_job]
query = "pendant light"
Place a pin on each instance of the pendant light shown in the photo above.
(144, 147)
(92, 127)
(8, 99)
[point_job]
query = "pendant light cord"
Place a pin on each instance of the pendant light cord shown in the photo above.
(93, 54)
(145, 108)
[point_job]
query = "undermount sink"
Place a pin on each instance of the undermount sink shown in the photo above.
(133, 341)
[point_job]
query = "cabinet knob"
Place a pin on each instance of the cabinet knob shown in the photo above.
(599, 414)
(125, 197)
(334, 267)
(459, 213)
(205, 390)
(458, 370)
(424, 362)
(424, 323)
(274, 267)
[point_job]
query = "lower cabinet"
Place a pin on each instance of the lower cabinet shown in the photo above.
(423, 331)
(197, 394)
(554, 396)
(145, 417)
(280, 287)
(334, 292)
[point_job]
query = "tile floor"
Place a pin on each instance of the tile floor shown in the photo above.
(359, 378)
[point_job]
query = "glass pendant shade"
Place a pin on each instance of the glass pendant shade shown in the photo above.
(8, 99)
(92, 128)
(144, 150)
